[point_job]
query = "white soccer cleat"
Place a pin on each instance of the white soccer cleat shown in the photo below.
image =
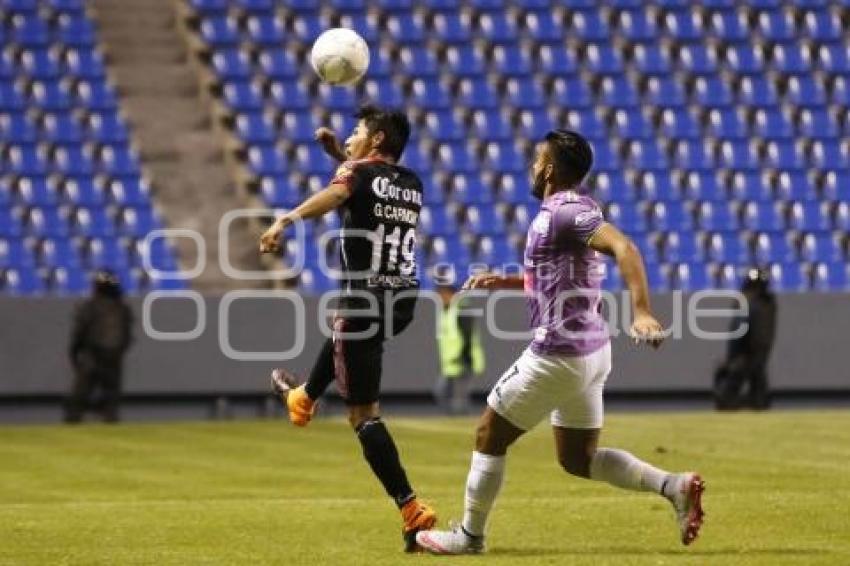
(686, 497)
(453, 541)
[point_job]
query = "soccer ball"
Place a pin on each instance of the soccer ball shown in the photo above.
(340, 56)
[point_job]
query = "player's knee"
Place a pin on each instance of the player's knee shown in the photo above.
(575, 465)
(358, 414)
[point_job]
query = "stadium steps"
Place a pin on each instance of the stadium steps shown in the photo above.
(179, 149)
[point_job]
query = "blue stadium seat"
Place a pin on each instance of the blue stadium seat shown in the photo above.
(836, 185)
(795, 185)
(589, 26)
(220, 31)
(70, 281)
(637, 26)
(612, 186)
(727, 123)
(407, 27)
(651, 60)
(805, 92)
(822, 246)
(430, 95)
(448, 250)
(232, 65)
(757, 91)
(335, 98)
(750, 185)
(307, 26)
(587, 122)
(739, 155)
(138, 221)
(286, 95)
(658, 186)
(834, 59)
(693, 277)
(255, 128)
(693, 155)
(26, 160)
(497, 27)
(542, 26)
(418, 61)
(280, 64)
(106, 127)
(664, 92)
(22, 282)
(678, 123)
(437, 220)
(511, 60)
(17, 129)
(810, 216)
(717, 216)
(729, 247)
(515, 190)
(618, 92)
(504, 158)
(764, 216)
(827, 154)
(58, 252)
(777, 27)
(81, 191)
(601, 58)
(682, 247)
(14, 253)
(477, 93)
(670, 216)
(451, 27)
(628, 218)
(524, 92)
(785, 154)
(554, 60)
(831, 277)
(106, 253)
(730, 26)
(791, 59)
(684, 26)
(455, 158)
(491, 124)
(816, 123)
(648, 246)
(572, 91)
(745, 59)
(822, 26)
(47, 222)
(697, 60)
(711, 92)
(265, 30)
(534, 124)
(729, 277)
(774, 248)
(646, 155)
(243, 96)
(469, 190)
(10, 222)
(789, 277)
(495, 251)
(772, 124)
(266, 160)
(40, 64)
(631, 124)
(119, 160)
(93, 223)
(131, 190)
(483, 220)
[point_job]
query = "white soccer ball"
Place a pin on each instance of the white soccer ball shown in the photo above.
(340, 56)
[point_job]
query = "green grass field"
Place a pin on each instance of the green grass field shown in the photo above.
(778, 492)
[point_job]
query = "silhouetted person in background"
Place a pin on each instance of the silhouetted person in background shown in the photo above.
(747, 356)
(461, 354)
(99, 339)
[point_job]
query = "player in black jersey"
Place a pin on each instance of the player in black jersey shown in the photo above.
(379, 203)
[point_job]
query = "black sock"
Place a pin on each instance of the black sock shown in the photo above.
(322, 373)
(382, 455)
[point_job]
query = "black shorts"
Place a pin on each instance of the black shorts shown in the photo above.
(357, 361)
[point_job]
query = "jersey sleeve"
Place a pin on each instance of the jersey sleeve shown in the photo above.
(577, 222)
(346, 174)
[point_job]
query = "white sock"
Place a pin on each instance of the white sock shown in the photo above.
(482, 486)
(621, 469)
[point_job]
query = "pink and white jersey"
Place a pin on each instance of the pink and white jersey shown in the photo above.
(563, 276)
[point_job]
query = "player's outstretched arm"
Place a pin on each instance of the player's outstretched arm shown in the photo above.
(317, 205)
(493, 281)
(610, 241)
(330, 144)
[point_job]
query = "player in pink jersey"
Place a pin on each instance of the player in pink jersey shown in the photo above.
(563, 371)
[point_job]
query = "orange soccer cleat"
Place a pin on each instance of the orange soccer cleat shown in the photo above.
(417, 516)
(298, 403)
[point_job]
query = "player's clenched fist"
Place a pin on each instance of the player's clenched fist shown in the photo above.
(270, 240)
(646, 329)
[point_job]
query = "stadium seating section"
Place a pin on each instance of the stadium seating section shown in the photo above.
(72, 197)
(721, 130)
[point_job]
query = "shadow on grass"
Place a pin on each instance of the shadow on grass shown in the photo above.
(634, 550)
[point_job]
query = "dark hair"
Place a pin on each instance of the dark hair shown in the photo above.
(393, 123)
(106, 284)
(572, 155)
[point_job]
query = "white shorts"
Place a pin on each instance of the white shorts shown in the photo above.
(567, 388)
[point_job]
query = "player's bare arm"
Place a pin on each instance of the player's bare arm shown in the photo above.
(610, 241)
(330, 144)
(493, 281)
(317, 205)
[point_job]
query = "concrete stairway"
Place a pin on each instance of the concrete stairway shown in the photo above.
(181, 151)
